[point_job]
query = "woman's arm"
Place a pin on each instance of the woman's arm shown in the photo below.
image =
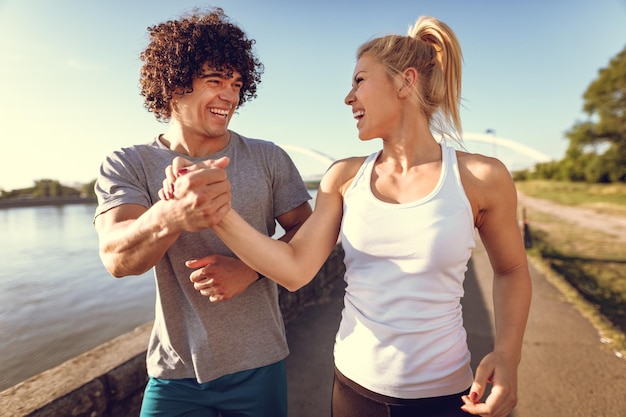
(292, 264)
(494, 199)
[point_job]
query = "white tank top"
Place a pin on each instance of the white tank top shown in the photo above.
(401, 332)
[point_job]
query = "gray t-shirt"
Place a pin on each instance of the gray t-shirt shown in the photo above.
(192, 337)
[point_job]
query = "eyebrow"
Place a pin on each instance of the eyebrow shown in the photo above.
(219, 74)
(357, 74)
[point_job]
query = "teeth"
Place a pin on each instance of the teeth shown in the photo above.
(219, 111)
(358, 113)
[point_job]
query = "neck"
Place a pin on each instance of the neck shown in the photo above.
(193, 143)
(410, 147)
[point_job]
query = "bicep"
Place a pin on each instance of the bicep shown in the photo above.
(317, 237)
(117, 217)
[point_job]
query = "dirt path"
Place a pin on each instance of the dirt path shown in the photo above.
(612, 225)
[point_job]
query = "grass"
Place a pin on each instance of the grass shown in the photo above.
(586, 265)
(605, 198)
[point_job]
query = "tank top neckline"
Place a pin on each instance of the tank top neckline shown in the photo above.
(368, 168)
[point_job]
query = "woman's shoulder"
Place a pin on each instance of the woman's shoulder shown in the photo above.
(340, 174)
(481, 167)
(486, 180)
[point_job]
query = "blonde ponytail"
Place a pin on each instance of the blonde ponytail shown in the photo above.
(448, 53)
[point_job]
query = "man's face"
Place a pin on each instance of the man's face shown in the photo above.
(207, 110)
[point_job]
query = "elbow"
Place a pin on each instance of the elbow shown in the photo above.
(111, 263)
(117, 269)
(114, 270)
(292, 285)
(117, 273)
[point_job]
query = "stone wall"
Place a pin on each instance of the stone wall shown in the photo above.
(108, 381)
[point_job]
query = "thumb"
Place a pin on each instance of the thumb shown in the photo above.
(217, 163)
(201, 262)
(477, 390)
(223, 162)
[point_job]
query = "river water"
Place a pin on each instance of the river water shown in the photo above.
(56, 298)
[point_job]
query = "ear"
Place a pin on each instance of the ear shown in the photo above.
(408, 80)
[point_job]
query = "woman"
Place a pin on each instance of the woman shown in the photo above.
(406, 217)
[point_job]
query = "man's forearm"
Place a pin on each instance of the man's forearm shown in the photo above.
(132, 247)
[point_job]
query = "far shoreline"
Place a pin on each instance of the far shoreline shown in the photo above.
(46, 201)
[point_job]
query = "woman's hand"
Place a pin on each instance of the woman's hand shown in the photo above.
(501, 372)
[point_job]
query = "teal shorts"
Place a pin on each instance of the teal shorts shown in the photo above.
(260, 392)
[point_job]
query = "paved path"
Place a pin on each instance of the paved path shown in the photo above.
(612, 225)
(566, 371)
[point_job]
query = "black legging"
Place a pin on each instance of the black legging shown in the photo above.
(352, 400)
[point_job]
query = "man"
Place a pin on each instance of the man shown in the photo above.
(218, 342)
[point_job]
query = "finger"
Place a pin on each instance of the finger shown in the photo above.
(169, 174)
(475, 409)
(483, 376)
(215, 178)
(205, 286)
(162, 195)
(197, 277)
(178, 164)
(168, 182)
(165, 190)
(208, 290)
(500, 401)
(201, 262)
(216, 298)
(466, 400)
(221, 163)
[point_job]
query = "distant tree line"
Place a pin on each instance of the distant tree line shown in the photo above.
(597, 146)
(47, 188)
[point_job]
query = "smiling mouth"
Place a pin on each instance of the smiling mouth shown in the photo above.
(358, 114)
(219, 112)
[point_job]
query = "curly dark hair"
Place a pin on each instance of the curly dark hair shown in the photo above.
(178, 50)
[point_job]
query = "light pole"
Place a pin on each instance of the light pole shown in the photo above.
(493, 141)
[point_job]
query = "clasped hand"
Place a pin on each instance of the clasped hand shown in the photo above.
(202, 192)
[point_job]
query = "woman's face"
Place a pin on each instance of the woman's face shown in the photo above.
(374, 99)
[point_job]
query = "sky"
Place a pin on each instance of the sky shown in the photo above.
(69, 74)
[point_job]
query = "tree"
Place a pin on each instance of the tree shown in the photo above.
(605, 128)
(47, 188)
(88, 189)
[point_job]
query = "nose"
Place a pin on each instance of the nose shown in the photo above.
(230, 95)
(349, 98)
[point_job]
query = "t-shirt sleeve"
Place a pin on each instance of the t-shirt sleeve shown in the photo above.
(120, 183)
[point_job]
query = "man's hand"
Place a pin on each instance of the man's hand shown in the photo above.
(220, 277)
(201, 191)
(501, 373)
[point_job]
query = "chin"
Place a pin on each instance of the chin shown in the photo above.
(365, 138)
